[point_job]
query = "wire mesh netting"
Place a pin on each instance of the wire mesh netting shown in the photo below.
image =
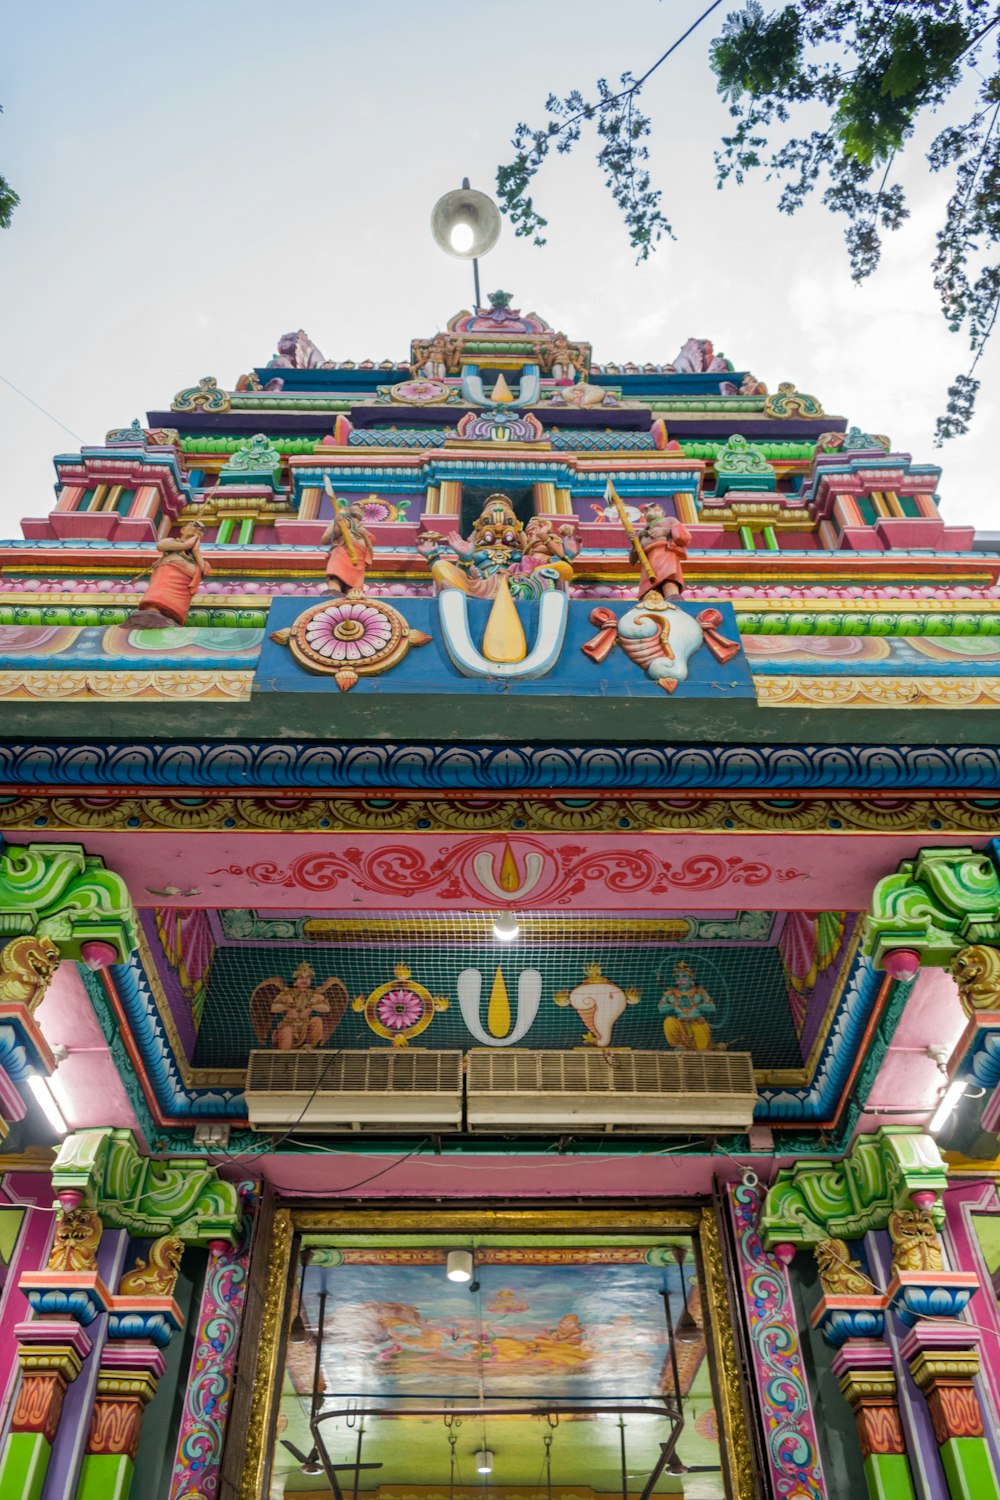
(700, 982)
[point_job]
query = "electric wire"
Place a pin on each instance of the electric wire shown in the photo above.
(38, 407)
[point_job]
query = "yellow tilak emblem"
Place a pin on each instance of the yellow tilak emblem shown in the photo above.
(504, 639)
(498, 1013)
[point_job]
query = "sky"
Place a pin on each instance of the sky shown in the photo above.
(198, 179)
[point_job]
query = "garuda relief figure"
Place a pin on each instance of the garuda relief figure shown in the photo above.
(530, 560)
(295, 1015)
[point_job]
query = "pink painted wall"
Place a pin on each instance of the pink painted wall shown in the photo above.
(908, 1078)
(579, 872)
(33, 1190)
(86, 1085)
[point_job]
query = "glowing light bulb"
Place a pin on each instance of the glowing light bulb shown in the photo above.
(459, 1266)
(505, 928)
(484, 1461)
(461, 237)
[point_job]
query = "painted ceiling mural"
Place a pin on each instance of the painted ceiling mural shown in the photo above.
(207, 987)
(577, 1324)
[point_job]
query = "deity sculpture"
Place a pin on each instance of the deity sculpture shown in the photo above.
(432, 359)
(563, 359)
(296, 1015)
(839, 1275)
(352, 547)
(662, 547)
(26, 965)
(74, 1245)
(545, 548)
(176, 578)
(686, 1007)
(501, 552)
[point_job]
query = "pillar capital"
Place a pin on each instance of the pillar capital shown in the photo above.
(814, 1201)
(61, 893)
(935, 905)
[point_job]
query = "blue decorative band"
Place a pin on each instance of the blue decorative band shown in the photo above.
(768, 769)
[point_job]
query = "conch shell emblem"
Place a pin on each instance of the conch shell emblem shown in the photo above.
(659, 638)
(598, 1002)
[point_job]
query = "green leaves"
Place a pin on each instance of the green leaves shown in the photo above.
(866, 71)
(8, 199)
(757, 54)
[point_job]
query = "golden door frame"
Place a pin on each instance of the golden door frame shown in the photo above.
(291, 1222)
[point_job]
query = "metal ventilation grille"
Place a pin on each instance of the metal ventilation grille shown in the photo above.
(609, 1090)
(346, 1090)
(362, 1072)
(594, 1072)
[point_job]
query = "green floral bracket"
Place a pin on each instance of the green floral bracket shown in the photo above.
(179, 1195)
(814, 1201)
(61, 892)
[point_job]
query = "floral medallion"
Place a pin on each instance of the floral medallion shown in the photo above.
(350, 638)
(400, 1009)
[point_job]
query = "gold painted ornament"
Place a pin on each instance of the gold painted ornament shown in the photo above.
(401, 1009)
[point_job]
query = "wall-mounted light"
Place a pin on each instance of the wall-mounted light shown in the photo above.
(484, 1461)
(460, 1265)
(950, 1100)
(506, 928)
(45, 1099)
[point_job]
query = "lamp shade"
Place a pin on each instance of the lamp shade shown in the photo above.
(459, 1265)
(465, 223)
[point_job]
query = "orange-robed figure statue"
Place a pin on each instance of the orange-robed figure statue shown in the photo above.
(664, 540)
(352, 546)
(175, 580)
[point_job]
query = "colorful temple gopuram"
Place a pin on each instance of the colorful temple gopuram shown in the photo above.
(499, 943)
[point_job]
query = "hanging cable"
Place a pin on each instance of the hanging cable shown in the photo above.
(452, 1440)
(548, 1465)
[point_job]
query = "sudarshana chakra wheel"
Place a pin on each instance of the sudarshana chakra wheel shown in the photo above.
(350, 638)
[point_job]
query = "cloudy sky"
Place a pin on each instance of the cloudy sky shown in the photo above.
(196, 179)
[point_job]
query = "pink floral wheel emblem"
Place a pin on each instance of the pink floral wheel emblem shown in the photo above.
(400, 1009)
(348, 632)
(350, 638)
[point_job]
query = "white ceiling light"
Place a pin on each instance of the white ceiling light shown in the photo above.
(484, 1461)
(506, 928)
(948, 1105)
(45, 1100)
(459, 1265)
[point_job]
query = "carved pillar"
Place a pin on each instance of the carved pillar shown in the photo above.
(144, 1317)
(851, 1316)
(52, 1345)
(944, 1361)
(50, 1357)
(210, 1379)
(864, 1369)
(126, 1383)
